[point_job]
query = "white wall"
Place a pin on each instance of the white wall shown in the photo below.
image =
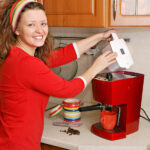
(139, 46)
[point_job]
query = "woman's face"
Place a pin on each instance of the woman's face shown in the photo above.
(32, 28)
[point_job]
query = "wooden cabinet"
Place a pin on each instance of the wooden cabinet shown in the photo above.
(75, 13)
(50, 147)
(130, 13)
(97, 13)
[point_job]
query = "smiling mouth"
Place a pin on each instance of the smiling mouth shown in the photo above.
(38, 37)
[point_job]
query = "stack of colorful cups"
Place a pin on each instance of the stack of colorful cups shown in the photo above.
(71, 110)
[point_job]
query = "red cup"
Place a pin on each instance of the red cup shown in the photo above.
(108, 119)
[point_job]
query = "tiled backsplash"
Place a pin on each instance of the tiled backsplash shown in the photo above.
(139, 46)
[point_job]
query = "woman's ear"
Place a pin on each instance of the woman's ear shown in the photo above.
(17, 32)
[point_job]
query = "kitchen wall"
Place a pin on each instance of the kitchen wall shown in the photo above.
(139, 46)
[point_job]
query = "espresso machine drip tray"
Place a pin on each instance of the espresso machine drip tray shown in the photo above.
(115, 130)
(113, 134)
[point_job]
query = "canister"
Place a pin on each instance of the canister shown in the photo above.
(71, 110)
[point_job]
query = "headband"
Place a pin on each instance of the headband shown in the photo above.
(16, 10)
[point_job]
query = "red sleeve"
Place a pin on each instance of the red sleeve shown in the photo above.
(62, 56)
(36, 75)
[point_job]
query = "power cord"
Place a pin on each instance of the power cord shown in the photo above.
(147, 117)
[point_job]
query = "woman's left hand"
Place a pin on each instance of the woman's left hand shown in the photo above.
(85, 44)
(107, 35)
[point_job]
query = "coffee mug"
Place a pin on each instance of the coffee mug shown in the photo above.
(108, 119)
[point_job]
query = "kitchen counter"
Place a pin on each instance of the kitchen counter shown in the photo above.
(139, 140)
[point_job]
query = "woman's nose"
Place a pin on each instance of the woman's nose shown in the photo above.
(39, 29)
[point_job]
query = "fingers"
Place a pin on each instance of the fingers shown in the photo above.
(111, 31)
(108, 34)
(113, 55)
(109, 52)
(110, 57)
(109, 39)
(112, 62)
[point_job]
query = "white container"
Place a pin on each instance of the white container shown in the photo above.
(124, 58)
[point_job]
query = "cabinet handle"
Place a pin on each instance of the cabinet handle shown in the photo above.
(114, 8)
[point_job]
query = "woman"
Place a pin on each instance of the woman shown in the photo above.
(26, 82)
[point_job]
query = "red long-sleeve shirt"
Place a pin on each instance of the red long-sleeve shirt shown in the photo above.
(25, 86)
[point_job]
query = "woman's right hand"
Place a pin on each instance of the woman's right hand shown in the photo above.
(104, 60)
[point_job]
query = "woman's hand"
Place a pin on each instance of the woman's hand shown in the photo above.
(104, 60)
(107, 35)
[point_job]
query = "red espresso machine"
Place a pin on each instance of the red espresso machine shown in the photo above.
(125, 94)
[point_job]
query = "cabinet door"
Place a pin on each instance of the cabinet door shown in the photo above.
(75, 13)
(129, 13)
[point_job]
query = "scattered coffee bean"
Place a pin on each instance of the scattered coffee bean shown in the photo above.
(71, 131)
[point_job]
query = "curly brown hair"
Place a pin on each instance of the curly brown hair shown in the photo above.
(8, 38)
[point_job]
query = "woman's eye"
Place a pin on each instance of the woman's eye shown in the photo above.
(30, 25)
(44, 24)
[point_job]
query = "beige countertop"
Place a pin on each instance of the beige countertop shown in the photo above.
(139, 140)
